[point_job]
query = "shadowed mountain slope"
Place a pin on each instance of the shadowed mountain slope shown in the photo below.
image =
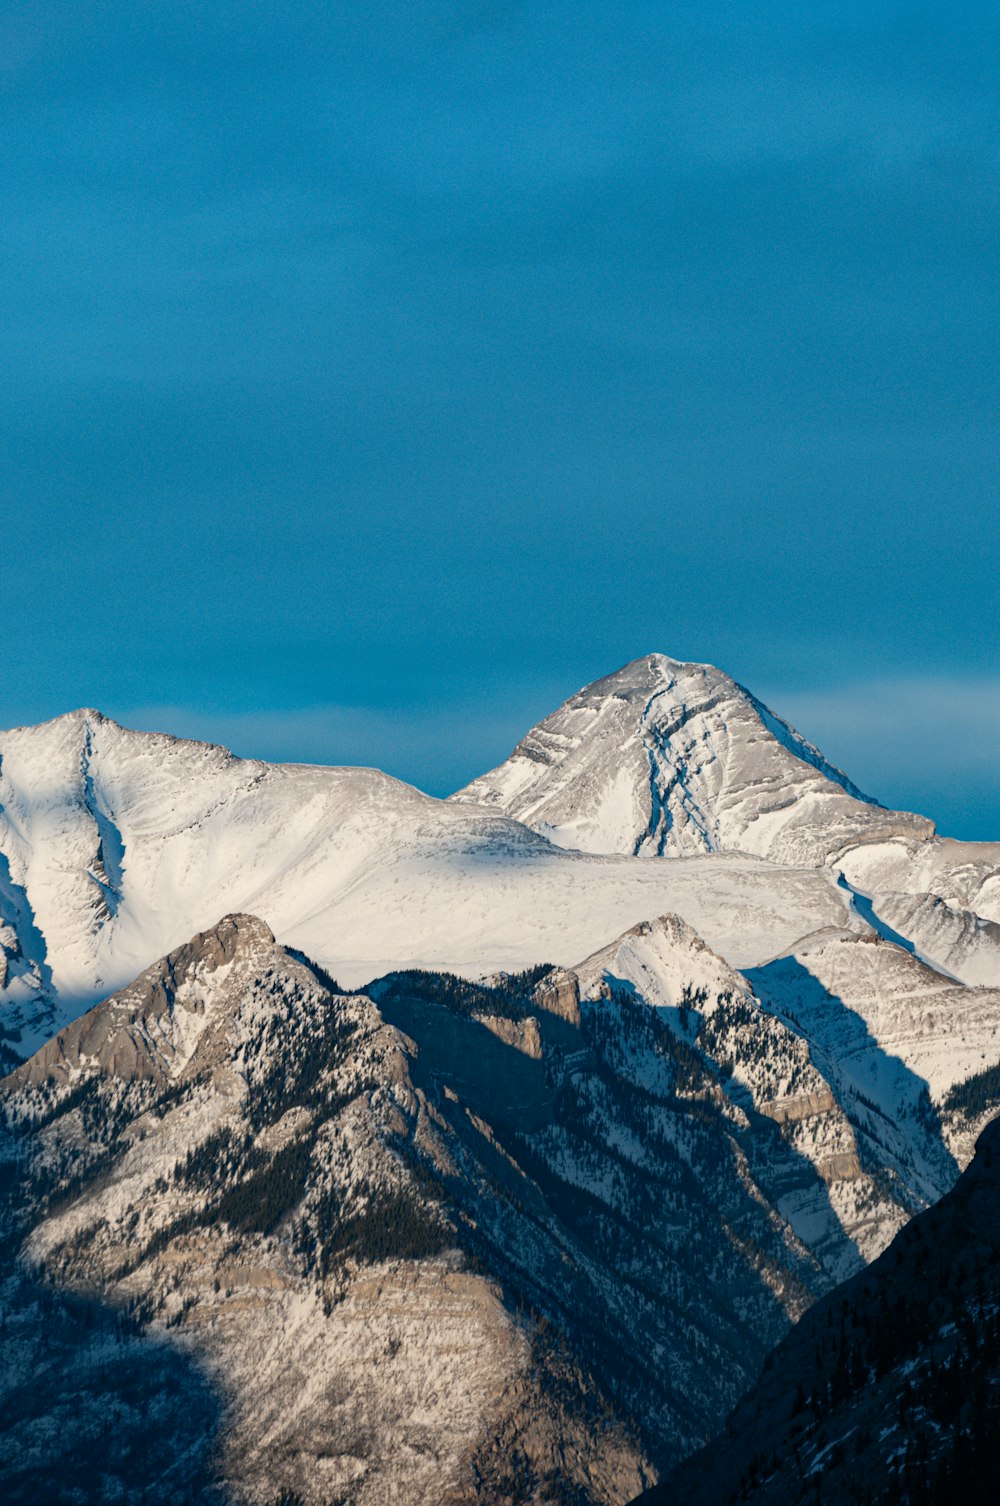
(887, 1393)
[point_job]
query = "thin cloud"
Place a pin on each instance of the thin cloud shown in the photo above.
(913, 719)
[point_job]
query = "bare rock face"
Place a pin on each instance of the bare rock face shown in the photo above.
(960, 942)
(523, 1035)
(558, 994)
(854, 1196)
(508, 1243)
(116, 846)
(897, 1039)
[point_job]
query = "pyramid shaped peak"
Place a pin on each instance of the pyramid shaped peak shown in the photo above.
(152, 1027)
(666, 758)
(663, 959)
(236, 937)
(669, 930)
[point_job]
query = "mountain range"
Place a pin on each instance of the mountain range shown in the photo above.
(475, 1149)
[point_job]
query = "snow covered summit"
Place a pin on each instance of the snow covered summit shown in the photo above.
(665, 758)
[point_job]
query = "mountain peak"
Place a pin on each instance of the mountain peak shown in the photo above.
(79, 717)
(660, 957)
(155, 1026)
(664, 758)
(649, 672)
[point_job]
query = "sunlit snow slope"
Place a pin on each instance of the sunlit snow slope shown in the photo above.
(667, 758)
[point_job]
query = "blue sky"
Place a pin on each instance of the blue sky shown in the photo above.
(374, 375)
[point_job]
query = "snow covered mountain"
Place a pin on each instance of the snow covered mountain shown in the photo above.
(515, 1242)
(116, 845)
(622, 1177)
(669, 759)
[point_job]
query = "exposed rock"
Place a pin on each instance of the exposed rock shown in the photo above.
(152, 1028)
(558, 993)
(517, 1242)
(959, 941)
(523, 1035)
(795, 1106)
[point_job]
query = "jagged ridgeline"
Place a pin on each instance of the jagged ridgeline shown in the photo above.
(519, 1240)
